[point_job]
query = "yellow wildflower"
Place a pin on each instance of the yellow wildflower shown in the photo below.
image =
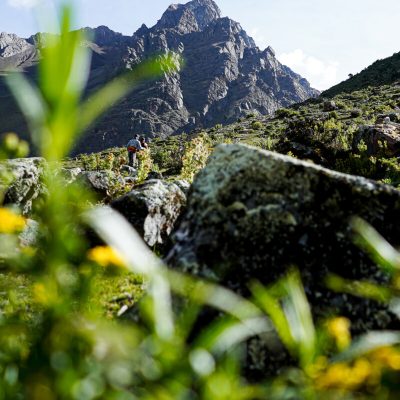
(11, 222)
(334, 377)
(360, 373)
(345, 377)
(339, 329)
(387, 357)
(106, 256)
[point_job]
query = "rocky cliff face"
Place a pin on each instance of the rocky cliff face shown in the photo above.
(16, 52)
(224, 76)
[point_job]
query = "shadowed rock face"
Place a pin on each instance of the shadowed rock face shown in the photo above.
(152, 208)
(224, 76)
(253, 214)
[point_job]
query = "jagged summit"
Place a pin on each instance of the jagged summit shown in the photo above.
(189, 17)
(11, 45)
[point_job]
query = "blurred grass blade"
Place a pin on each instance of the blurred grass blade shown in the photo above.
(225, 334)
(384, 254)
(63, 73)
(287, 306)
(65, 63)
(298, 313)
(367, 343)
(220, 298)
(272, 308)
(30, 101)
(365, 290)
(118, 233)
(121, 86)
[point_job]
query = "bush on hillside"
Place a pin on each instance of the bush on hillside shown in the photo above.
(195, 157)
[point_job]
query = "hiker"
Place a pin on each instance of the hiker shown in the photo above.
(133, 147)
(143, 142)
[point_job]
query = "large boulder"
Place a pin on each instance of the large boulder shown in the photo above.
(152, 208)
(382, 138)
(26, 182)
(103, 183)
(252, 214)
(329, 105)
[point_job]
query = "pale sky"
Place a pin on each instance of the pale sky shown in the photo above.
(322, 40)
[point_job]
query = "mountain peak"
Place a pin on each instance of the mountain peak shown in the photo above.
(205, 11)
(11, 44)
(189, 17)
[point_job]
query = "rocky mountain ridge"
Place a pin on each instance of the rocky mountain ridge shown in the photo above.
(224, 77)
(16, 52)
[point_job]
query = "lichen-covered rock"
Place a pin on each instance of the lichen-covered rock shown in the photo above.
(252, 214)
(26, 186)
(152, 209)
(183, 185)
(71, 174)
(29, 236)
(101, 182)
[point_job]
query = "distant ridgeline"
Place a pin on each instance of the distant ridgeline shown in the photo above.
(225, 76)
(381, 72)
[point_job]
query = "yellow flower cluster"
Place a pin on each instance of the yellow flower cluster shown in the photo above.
(363, 372)
(106, 256)
(339, 330)
(386, 358)
(345, 376)
(11, 222)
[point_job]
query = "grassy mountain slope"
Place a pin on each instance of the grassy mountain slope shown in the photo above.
(304, 131)
(381, 72)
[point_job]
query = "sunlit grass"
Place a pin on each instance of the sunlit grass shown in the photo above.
(109, 294)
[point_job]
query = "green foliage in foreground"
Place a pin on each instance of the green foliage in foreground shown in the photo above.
(67, 350)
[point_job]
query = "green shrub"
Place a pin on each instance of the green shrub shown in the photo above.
(333, 115)
(196, 155)
(286, 113)
(145, 165)
(257, 125)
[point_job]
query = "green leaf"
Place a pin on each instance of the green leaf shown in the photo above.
(287, 306)
(273, 309)
(30, 101)
(227, 333)
(298, 314)
(201, 292)
(365, 290)
(376, 246)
